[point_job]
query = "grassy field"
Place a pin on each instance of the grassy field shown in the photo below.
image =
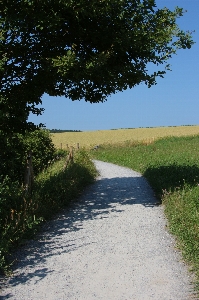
(171, 166)
(89, 139)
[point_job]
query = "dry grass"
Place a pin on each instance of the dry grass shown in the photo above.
(89, 139)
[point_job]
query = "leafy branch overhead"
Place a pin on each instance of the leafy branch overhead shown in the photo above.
(86, 49)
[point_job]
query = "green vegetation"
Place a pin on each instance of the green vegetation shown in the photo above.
(171, 166)
(15, 148)
(54, 187)
(62, 130)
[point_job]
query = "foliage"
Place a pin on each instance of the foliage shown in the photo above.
(40, 144)
(15, 148)
(54, 188)
(12, 163)
(12, 157)
(13, 206)
(171, 166)
(60, 130)
(81, 50)
(11, 198)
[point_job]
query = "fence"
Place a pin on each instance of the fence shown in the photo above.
(69, 157)
(29, 174)
(61, 146)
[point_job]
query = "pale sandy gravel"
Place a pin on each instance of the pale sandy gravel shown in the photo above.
(111, 244)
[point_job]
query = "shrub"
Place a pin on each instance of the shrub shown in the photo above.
(12, 154)
(40, 144)
(15, 148)
(16, 209)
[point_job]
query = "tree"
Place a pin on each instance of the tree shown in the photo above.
(81, 49)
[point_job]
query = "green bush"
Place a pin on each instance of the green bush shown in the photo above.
(14, 205)
(12, 157)
(15, 149)
(40, 144)
(11, 197)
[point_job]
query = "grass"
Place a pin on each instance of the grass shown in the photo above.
(89, 139)
(54, 188)
(171, 166)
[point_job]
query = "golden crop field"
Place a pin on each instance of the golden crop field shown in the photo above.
(89, 139)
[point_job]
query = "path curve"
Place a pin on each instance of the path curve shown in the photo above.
(112, 244)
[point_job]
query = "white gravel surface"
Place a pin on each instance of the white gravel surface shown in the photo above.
(111, 244)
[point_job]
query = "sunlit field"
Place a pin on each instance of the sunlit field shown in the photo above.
(90, 139)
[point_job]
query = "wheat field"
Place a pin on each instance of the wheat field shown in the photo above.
(89, 139)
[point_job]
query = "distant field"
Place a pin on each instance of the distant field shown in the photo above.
(91, 138)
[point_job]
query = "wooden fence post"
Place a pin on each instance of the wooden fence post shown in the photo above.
(29, 175)
(71, 153)
(69, 157)
(77, 146)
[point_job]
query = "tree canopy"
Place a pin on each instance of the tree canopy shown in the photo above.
(80, 49)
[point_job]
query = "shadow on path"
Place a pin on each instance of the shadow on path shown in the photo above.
(105, 196)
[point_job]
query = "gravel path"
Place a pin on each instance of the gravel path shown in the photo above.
(111, 245)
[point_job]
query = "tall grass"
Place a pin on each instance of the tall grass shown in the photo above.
(171, 166)
(54, 188)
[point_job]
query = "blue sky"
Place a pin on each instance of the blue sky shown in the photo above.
(173, 101)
